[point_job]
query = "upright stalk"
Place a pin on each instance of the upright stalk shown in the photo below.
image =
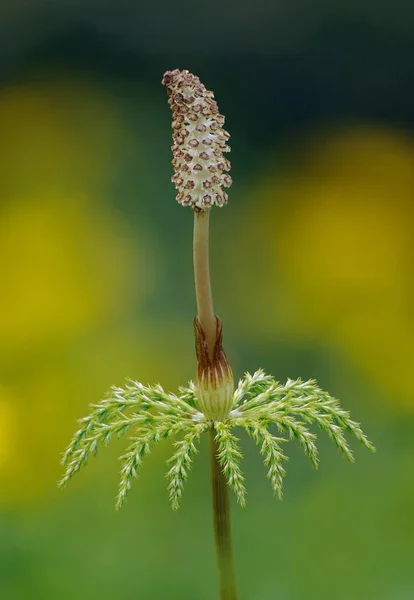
(204, 296)
(220, 496)
(222, 527)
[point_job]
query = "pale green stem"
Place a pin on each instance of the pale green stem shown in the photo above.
(204, 296)
(222, 528)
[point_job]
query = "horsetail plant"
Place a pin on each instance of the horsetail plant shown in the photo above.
(271, 413)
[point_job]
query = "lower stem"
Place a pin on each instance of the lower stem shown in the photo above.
(222, 528)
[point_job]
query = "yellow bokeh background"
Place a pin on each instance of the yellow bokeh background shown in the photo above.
(334, 237)
(69, 275)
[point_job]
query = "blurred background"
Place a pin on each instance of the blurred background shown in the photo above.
(312, 271)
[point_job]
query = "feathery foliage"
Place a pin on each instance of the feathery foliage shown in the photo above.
(259, 403)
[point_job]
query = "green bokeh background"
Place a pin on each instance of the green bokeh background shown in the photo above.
(312, 265)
